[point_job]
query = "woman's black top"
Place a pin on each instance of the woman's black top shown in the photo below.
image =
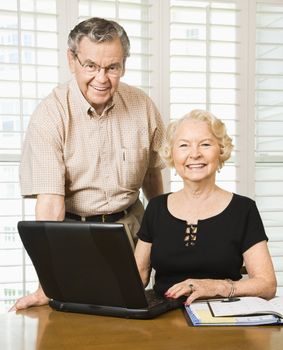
(211, 249)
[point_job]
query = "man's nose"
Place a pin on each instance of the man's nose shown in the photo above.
(101, 75)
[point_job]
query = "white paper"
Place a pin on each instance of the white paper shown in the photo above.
(248, 306)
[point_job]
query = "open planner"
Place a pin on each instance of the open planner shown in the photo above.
(245, 311)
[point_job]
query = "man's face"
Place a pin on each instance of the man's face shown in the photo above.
(97, 88)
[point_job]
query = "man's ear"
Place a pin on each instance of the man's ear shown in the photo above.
(71, 60)
(124, 68)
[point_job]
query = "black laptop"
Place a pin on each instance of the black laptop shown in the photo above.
(90, 268)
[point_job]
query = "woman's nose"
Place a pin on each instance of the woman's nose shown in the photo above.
(194, 152)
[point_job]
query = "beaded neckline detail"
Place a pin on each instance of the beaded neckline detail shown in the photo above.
(190, 236)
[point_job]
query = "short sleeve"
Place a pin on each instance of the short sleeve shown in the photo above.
(255, 231)
(146, 230)
(157, 133)
(42, 169)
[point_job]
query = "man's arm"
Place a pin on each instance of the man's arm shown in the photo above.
(48, 207)
(152, 184)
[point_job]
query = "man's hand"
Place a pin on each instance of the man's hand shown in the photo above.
(48, 207)
(37, 298)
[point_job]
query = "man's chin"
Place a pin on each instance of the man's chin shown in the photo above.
(98, 101)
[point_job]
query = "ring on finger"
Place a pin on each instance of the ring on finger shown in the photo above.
(192, 288)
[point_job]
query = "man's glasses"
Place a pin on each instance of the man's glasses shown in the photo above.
(190, 236)
(114, 70)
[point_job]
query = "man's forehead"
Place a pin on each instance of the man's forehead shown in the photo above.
(107, 49)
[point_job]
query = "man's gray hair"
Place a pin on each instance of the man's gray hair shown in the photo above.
(98, 30)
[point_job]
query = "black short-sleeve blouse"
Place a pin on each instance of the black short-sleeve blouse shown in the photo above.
(220, 242)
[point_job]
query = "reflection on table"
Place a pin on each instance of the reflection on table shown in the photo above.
(42, 328)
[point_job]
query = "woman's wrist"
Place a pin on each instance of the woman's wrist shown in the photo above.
(231, 289)
(223, 288)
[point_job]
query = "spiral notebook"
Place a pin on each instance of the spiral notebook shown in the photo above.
(200, 313)
(90, 268)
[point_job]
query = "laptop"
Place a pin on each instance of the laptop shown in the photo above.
(90, 268)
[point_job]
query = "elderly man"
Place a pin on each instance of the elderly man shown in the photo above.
(93, 142)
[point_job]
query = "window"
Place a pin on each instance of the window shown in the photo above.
(31, 63)
(225, 56)
(204, 67)
(29, 70)
(268, 125)
(134, 16)
(209, 68)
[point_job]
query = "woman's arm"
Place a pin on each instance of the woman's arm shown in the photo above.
(261, 281)
(142, 255)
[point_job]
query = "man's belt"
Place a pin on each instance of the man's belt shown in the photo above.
(98, 218)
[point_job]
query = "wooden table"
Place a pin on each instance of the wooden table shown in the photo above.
(42, 328)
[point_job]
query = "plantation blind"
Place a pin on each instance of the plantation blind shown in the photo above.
(29, 70)
(33, 35)
(268, 131)
(204, 68)
(224, 56)
(135, 17)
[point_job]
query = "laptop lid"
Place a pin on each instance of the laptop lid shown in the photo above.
(87, 267)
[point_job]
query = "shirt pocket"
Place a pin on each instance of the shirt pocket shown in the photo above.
(133, 166)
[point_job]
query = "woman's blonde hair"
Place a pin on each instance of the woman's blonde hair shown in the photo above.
(216, 126)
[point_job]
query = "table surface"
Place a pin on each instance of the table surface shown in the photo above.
(42, 328)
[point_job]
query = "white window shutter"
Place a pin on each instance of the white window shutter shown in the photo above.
(29, 70)
(269, 126)
(135, 17)
(204, 73)
(224, 56)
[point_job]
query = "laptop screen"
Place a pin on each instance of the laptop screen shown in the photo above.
(79, 262)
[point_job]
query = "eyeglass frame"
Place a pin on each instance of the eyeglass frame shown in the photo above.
(98, 67)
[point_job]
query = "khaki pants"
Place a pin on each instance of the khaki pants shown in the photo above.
(132, 222)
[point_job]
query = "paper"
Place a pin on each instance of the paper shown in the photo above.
(248, 306)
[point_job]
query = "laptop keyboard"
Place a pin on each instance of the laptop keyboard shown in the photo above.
(152, 298)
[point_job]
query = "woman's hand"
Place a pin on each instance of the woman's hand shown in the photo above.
(199, 289)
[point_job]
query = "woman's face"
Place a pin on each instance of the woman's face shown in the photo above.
(196, 151)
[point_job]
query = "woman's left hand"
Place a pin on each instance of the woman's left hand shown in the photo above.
(196, 289)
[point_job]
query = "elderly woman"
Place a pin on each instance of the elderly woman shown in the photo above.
(197, 239)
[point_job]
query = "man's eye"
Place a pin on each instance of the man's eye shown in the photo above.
(113, 68)
(90, 65)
